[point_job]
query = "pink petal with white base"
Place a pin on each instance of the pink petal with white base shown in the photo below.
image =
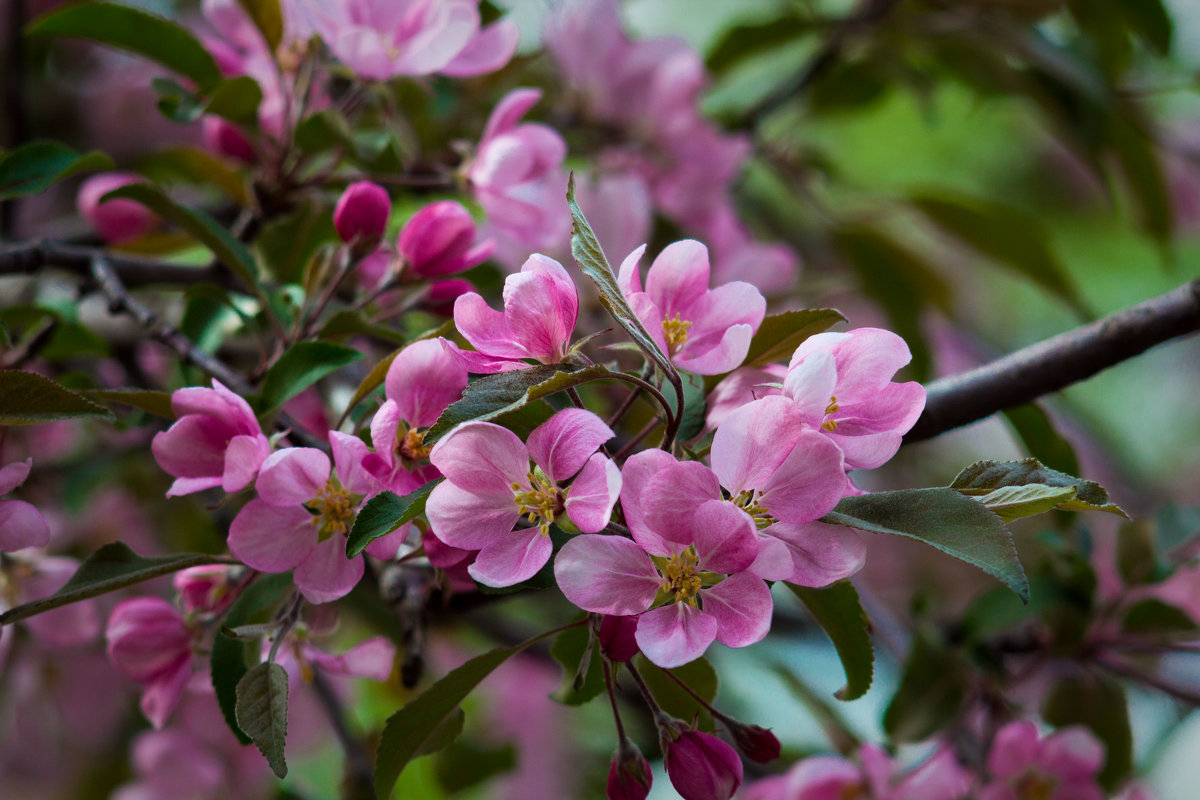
(870, 451)
(753, 441)
(727, 354)
(820, 553)
(629, 279)
(592, 495)
(562, 444)
(243, 458)
(869, 358)
(423, 379)
(540, 312)
(482, 457)
(271, 538)
(21, 526)
(774, 560)
(14, 474)
(809, 482)
(462, 518)
(606, 575)
(292, 476)
(724, 537)
(811, 384)
(326, 574)
(385, 426)
(676, 634)
(513, 558)
(742, 606)
(486, 328)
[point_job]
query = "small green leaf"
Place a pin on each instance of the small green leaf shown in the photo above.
(444, 734)
(228, 662)
(838, 611)
(384, 513)
(695, 405)
(1014, 502)
(27, 398)
(1155, 618)
(206, 230)
(268, 18)
(34, 167)
(1099, 703)
(1151, 20)
(324, 131)
(114, 566)
(942, 518)
(156, 403)
(742, 42)
(568, 650)
(198, 167)
(493, 395)
(780, 334)
(234, 98)
(698, 674)
(414, 725)
(983, 477)
(302, 365)
(132, 29)
(933, 688)
(262, 701)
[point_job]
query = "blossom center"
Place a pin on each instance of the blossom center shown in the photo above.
(681, 577)
(541, 503)
(333, 509)
(675, 331)
(831, 409)
(1034, 787)
(750, 501)
(412, 447)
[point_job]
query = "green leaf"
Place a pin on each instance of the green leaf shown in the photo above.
(206, 230)
(444, 734)
(838, 611)
(698, 674)
(1014, 502)
(300, 366)
(1152, 617)
(268, 18)
(114, 566)
(370, 383)
(198, 167)
(34, 167)
(137, 31)
(1151, 20)
(493, 395)
(234, 98)
(1041, 440)
(469, 763)
(983, 477)
(1144, 176)
(780, 334)
(156, 403)
(27, 398)
(262, 701)
(695, 405)
(324, 131)
(228, 663)
(1008, 236)
(588, 254)
(568, 650)
(384, 513)
(942, 518)
(932, 691)
(1137, 553)
(742, 42)
(414, 725)
(1098, 703)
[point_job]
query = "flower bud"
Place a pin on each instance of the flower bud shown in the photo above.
(224, 138)
(205, 590)
(700, 766)
(362, 213)
(115, 220)
(150, 642)
(616, 637)
(629, 776)
(440, 240)
(756, 742)
(440, 297)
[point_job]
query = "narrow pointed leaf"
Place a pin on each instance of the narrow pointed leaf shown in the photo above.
(838, 611)
(780, 334)
(262, 701)
(152, 402)
(568, 650)
(27, 398)
(983, 477)
(384, 513)
(34, 167)
(302, 365)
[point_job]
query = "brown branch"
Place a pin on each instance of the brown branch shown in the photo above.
(29, 257)
(1056, 363)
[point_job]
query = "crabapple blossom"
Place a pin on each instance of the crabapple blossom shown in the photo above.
(118, 220)
(215, 441)
(302, 515)
(1060, 766)
(940, 777)
(149, 641)
(490, 486)
(21, 524)
(700, 766)
(742, 386)
(629, 775)
(440, 239)
(541, 305)
(205, 590)
(362, 213)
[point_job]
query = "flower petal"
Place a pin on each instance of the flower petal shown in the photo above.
(679, 276)
(423, 379)
(326, 574)
(753, 441)
(562, 444)
(511, 559)
(22, 525)
(724, 536)
(471, 521)
(637, 502)
(541, 306)
(676, 634)
(14, 474)
(592, 495)
(243, 458)
(271, 538)
(606, 574)
(809, 482)
(292, 476)
(742, 606)
(628, 278)
(673, 493)
(811, 384)
(486, 328)
(489, 50)
(819, 553)
(483, 458)
(372, 658)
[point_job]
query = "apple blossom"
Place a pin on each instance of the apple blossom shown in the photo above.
(1060, 766)
(700, 766)
(440, 239)
(118, 220)
(629, 775)
(361, 214)
(150, 642)
(21, 524)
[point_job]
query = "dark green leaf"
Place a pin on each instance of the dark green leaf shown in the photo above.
(1155, 618)
(1041, 440)
(698, 674)
(852, 85)
(384, 513)
(837, 610)
(34, 167)
(206, 230)
(1151, 20)
(1008, 236)
(568, 650)
(469, 763)
(324, 131)
(943, 518)
(132, 29)
(1137, 553)
(780, 334)
(262, 701)
(933, 688)
(983, 477)
(235, 98)
(267, 18)
(410, 728)
(493, 395)
(1143, 170)
(156, 403)
(444, 734)
(1098, 703)
(746, 41)
(114, 566)
(288, 242)
(198, 167)
(27, 398)
(302, 365)
(228, 663)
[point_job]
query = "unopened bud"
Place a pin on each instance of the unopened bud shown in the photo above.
(629, 776)
(700, 766)
(756, 742)
(440, 240)
(362, 213)
(226, 139)
(115, 220)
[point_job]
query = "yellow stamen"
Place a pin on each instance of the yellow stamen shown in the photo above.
(750, 501)
(829, 424)
(412, 447)
(680, 577)
(333, 509)
(540, 504)
(675, 331)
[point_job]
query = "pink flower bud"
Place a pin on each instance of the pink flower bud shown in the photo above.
(629, 776)
(616, 637)
(440, 297)
(204, 589)
(224, 138)
(440, 240)
(149, 641)
(362, 212)
(756, 742)
(700, 766)
(116, 220)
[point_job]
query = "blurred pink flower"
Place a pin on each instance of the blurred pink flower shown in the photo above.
(440, 239)
(21, 524)
(116, 221)
(149, 641)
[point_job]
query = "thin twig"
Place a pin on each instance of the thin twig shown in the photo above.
(29, 257)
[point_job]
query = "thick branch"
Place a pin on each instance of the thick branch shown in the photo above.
(1056, 363)
(29, 257)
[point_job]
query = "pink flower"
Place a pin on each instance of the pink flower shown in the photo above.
(302, 515)
(21, 524)
(540, 309)
(618, 207)
(940, 777)
(216, 441)
(204, 590)
(489, 50)
(517, 174)
(119, 220)
(706, 331)
(742, 386)
(1061, 766)
(440, 239)
(149, 641)
(700, 766)
(629, 776)
(362, 213)
(841, 383)
(490, 485)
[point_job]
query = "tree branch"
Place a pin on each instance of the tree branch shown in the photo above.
(29, 257)
(1056, 363)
